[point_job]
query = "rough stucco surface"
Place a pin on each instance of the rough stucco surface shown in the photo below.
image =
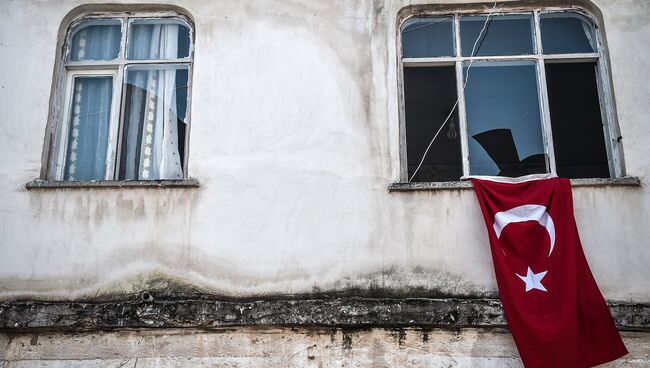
(282, 348)
(331, 312)
(294, 141)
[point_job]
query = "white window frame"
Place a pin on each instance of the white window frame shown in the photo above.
(608, 111)
(116, 68)
(65, 124)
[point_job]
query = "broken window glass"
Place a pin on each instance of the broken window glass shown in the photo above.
(430, 94)
(503, 119)
(532, 102)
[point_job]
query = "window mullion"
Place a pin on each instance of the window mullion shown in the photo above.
(116, 131)
(188, 118)
(124, 41)
(610, 131)
(608, 112)
(114, 138)
(62, 143)
(543, 100)
(61, 153)
(462, 118)
(423, 62)
(404, 176)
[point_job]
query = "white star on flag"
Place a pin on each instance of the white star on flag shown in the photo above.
(533, 280)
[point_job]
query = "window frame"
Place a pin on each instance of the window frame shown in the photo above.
(56, 142)
(603, 80)
(64, 127)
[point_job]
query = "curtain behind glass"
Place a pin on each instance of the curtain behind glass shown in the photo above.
(88, 129)
(97, 42)
(158, 41)
(150, 144)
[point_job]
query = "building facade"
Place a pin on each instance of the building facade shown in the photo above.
(286, 232)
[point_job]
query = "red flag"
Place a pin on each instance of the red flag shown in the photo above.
(556, 313)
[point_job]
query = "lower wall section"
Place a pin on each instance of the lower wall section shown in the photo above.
(279, 347)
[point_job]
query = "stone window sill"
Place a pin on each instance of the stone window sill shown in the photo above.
(90, 184)
(627, 181)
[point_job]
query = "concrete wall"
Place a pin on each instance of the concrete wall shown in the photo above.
(276, 347)
(294, 140)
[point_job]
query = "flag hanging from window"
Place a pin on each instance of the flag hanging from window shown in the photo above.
(556, 313)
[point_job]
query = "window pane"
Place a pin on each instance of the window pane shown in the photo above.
(97, 40)
(564, 33)
(153, 137)
(577, 124)
(503, 35)
(428, 37)
(88, 129)
(430, 94)
(503, 119)
(156, 39)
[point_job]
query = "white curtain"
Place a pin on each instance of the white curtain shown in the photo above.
(96, 42)
(88, 129)
(151, 149)
(90, 107)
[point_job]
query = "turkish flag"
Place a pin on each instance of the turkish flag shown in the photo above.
(556, 313)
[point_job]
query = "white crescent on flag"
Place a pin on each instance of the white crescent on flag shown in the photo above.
(527, 212)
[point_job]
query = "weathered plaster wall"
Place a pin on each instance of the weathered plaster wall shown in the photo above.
(294, 141)
(254, 347)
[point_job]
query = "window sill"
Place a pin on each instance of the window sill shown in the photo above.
(44, 184)
(627, 181)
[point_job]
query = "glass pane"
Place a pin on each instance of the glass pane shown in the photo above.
(158, 40)
(428, 37)
(578, 136)
(564, 33)
(88, 129)
(96, 40)
(503, 35)
(430, 94)
(503, 119)
(153, 136)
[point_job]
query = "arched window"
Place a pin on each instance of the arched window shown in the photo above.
(123, 99)
(508, 93)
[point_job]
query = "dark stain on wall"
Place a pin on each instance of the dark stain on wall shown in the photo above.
(207, 313)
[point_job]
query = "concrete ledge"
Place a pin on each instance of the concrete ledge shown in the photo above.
(282, 347)
(337, 312)
(88, 184)
(627, 181)
(430, 185)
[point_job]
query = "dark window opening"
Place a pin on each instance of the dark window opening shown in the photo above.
(430, 94)
(576, 121)
(502, 124)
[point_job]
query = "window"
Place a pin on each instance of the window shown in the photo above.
(506, 94)
(123, 98)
